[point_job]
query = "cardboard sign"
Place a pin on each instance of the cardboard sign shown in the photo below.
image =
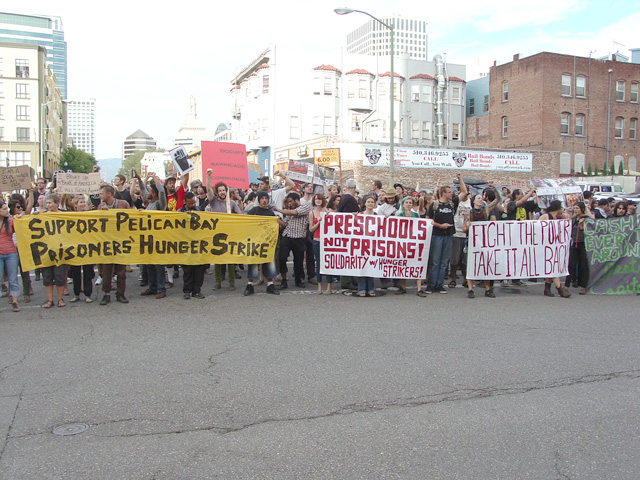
(519, 183)
(374, 245)
(327, 157)
(145, 237)
(613, 251)
(75, 183)
(228, 162)
(15, 178)
(509, 249)
(180, 161)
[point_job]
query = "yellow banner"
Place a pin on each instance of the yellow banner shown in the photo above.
(144, 237)
(327, 157)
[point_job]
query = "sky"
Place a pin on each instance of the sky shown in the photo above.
(142, 61)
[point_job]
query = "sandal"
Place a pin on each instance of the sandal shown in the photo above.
(452, 284)
(14, 307)
(61, 303)
(47, 304)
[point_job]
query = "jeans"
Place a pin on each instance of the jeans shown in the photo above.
(268, 270)
(439, 255)
(9, 264)
(157, 278)
(316, 253)
(365, 285)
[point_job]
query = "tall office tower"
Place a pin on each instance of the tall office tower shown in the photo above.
(42, 30)
(410, 36)
(138, 140)
(81, 122)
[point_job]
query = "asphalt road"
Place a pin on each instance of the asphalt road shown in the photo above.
(322, 387)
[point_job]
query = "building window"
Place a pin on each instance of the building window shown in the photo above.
(397, 90)
(328, 86)
(351, 89)
(22, 134)
(382, 91)
(363, 90)
(22, 68)
(1, 112)
(415, 93)
(455, 95)
(265, 84)
(633, 129)
(566, 85)
(426, 93)
(485, 104)
(455, 131)
(505, 124)
(581, 83)
(294, 127)
(426, 130)
(415, 130)
(356, 118)
(327, 126)
(505, 92)
(22, 90)
(619, 127)
(579, 125)
(1, 134)
(316, 126)
(22, 112)
(317, 85)
(472, 106)
(565, 119)
(1, 89)
(634, 93)
(620, 91)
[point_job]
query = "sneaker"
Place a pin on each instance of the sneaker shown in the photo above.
(88, 300)
(232, 288)
(187, 296)
(99, 281)
(283, 285)
(198, 295)
(217, 286)
(106, 299)
(421, 293)
(519, 283)
(248, 291)
(122, 299)
(272, 290)
(489, 293)
(176, 273)
(471, 294)
(506, 283)
(429, 290)
(74, 299)
(441, 289)
(160, 295)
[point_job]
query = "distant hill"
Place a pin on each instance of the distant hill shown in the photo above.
(109, 167)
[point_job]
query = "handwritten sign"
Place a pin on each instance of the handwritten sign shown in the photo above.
(613, 251)
(374, 245)
(529, 249)
(15, 178)
(75, 183)
(519, 183)
(181, 161)
(145, 237)
(228, 162)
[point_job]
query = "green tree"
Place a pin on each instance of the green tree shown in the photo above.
(582, 170)
(78, 161)
(589, 170)
(133, 161)
(605, 170)
(621, 168)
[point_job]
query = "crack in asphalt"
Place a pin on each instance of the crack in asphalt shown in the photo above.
(556, 465)
(13, 419)
(442, 397)
(12, 365)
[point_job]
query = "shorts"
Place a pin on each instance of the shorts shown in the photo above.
(53, 276)
(457, 248)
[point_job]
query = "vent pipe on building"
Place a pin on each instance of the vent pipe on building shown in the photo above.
(440, 80)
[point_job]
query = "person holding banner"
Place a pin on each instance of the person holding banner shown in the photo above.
(55, 274)
(366, 287)
(192, 275)
(82, 275)
(406, 210)
(554, 212)
(316, 216)
(9, 255)
(578, 252)
(156, 273)
(480, 213)
(108, 201)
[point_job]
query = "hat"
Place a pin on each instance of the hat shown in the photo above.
(391, 193)
(170, 176)
(264, 179)
(262, 194)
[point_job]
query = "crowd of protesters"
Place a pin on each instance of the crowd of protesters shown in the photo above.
(300, 211)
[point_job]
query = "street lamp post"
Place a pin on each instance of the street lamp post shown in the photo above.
(345, 11)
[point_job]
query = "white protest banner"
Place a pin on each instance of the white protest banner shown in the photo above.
(74, 183)
(564, 189)
(509, 249)
(374, 245)
(378, 156)
(15, 178)
(182, 163)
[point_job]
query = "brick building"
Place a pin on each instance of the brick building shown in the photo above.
(587, 109)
